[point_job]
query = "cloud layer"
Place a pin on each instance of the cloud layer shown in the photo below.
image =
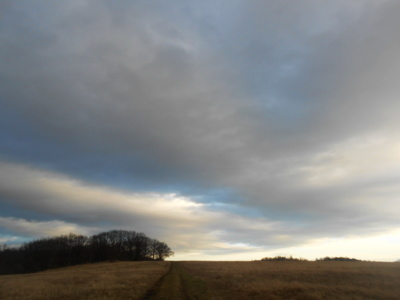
(247, 126)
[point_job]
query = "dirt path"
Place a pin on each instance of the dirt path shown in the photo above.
(178, 284)
(169, 287)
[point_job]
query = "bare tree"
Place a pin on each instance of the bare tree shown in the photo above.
(163, 251)
(72, 249)
(3, 247)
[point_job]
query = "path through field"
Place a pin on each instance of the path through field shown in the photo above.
(177, 284)
(170, 286)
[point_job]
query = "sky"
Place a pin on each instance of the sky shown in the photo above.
(231, 130)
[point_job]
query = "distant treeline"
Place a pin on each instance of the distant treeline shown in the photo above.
(284, 258)
(73, 249)
(337, 259)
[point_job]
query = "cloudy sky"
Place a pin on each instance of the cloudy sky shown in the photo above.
(232, 130)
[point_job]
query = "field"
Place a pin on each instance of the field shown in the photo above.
(298, 280)
(209, 280)
(120, 280)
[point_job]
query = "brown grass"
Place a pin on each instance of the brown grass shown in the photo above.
(211, 281)
(119, 280)
(298, 280)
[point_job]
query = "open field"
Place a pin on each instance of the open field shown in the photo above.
(119, 280)
(209, 281)
(298, 280)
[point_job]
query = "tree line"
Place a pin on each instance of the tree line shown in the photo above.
(283, 258)
(327, 258)
(74, 249)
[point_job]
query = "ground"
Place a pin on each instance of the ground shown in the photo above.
(209, 280)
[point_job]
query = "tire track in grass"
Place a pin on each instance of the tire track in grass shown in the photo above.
(177, 285)
(168, 287)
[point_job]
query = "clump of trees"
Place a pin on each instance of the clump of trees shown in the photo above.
(282, 258)
(73, 249)
(337, 259)
(290, 258)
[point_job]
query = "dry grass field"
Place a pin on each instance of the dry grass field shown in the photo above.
(209, 281)
(297, 280)
(119, 280)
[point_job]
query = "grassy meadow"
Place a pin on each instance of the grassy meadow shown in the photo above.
(298, 280)
(119, 280)
(209, 281)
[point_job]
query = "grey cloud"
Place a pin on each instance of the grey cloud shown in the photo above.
(30, 229)
(128, 93)
(74, 206)
(201, 99)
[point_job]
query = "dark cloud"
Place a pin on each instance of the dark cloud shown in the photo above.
(283, 111)
(137, 94)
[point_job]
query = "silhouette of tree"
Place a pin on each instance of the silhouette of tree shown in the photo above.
(163, 251)
(73, 249)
